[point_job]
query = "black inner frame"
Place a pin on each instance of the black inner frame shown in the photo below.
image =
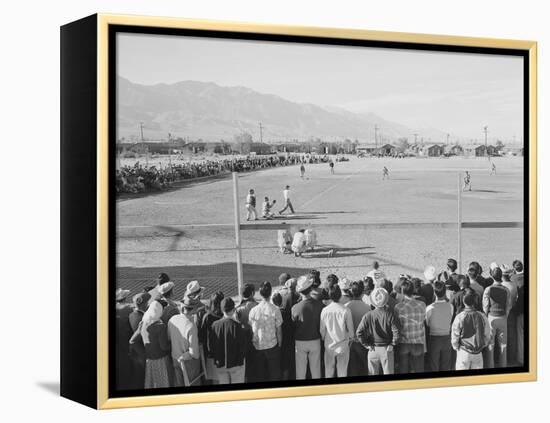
(113, 30)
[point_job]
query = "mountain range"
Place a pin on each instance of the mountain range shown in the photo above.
(209, 111)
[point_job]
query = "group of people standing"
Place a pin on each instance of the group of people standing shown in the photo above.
(309, 329)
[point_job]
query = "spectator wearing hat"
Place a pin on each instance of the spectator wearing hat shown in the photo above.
(266, 323)
(227, 341)
(358, 354)
(157, 348)
(427, 289)
(517, 278)
(496, 305)
(345, 286)
(336, 329)
(165, 292)
(470, 335)
(137, 349)
(123, 309)
(439, 315)
(289, 297)
(193, 290)
(184, 340)
(306, 316)
(213, 314)
(161, 279)
(412, 314)
(379, 332)
(242, 312)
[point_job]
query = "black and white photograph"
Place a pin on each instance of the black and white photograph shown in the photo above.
(294, 212)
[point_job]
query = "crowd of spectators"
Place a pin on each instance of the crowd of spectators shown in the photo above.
(305, 328)
(139, 178)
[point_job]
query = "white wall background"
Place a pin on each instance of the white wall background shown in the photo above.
(29, 96)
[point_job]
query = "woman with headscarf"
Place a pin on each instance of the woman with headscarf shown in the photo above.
(157, 348)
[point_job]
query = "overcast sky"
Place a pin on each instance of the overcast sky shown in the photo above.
(456, 93)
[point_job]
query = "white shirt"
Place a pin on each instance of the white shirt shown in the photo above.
(286, 194)
(336, 327)
(183, 336)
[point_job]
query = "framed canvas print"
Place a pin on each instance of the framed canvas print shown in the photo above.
(256, 211)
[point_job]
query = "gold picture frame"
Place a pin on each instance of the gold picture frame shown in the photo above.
(103, 400)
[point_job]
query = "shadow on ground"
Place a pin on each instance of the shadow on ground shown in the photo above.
(51, 387)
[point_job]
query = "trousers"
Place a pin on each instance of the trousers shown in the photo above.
(467, 361)
(232, 375)
(308, 352)
(338, 362)
(381, 361)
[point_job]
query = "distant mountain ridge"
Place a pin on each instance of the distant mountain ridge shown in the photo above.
(206, 110)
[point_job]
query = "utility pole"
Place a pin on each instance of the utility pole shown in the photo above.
(141, 130)
(448, 136)
(261, 133)
(376, 128)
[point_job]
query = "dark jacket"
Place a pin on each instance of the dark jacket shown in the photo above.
(452, 283)
(306, 316)
(379, 327)
(206, 326)
(427, 291)
(227, 341)
(457, 301)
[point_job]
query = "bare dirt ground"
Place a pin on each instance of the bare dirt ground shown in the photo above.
(188, 231)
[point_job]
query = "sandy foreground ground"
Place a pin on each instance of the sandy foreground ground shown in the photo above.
(188, 231)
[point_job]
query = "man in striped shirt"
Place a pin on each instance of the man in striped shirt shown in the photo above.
(412, 314)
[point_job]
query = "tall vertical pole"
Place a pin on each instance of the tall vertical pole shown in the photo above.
(459, 221)
(261, 133)
(237, 233)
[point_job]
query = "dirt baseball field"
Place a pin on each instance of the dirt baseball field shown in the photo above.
(405, 223)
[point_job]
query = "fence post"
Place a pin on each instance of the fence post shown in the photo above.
(237, 233)
(459, 222)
